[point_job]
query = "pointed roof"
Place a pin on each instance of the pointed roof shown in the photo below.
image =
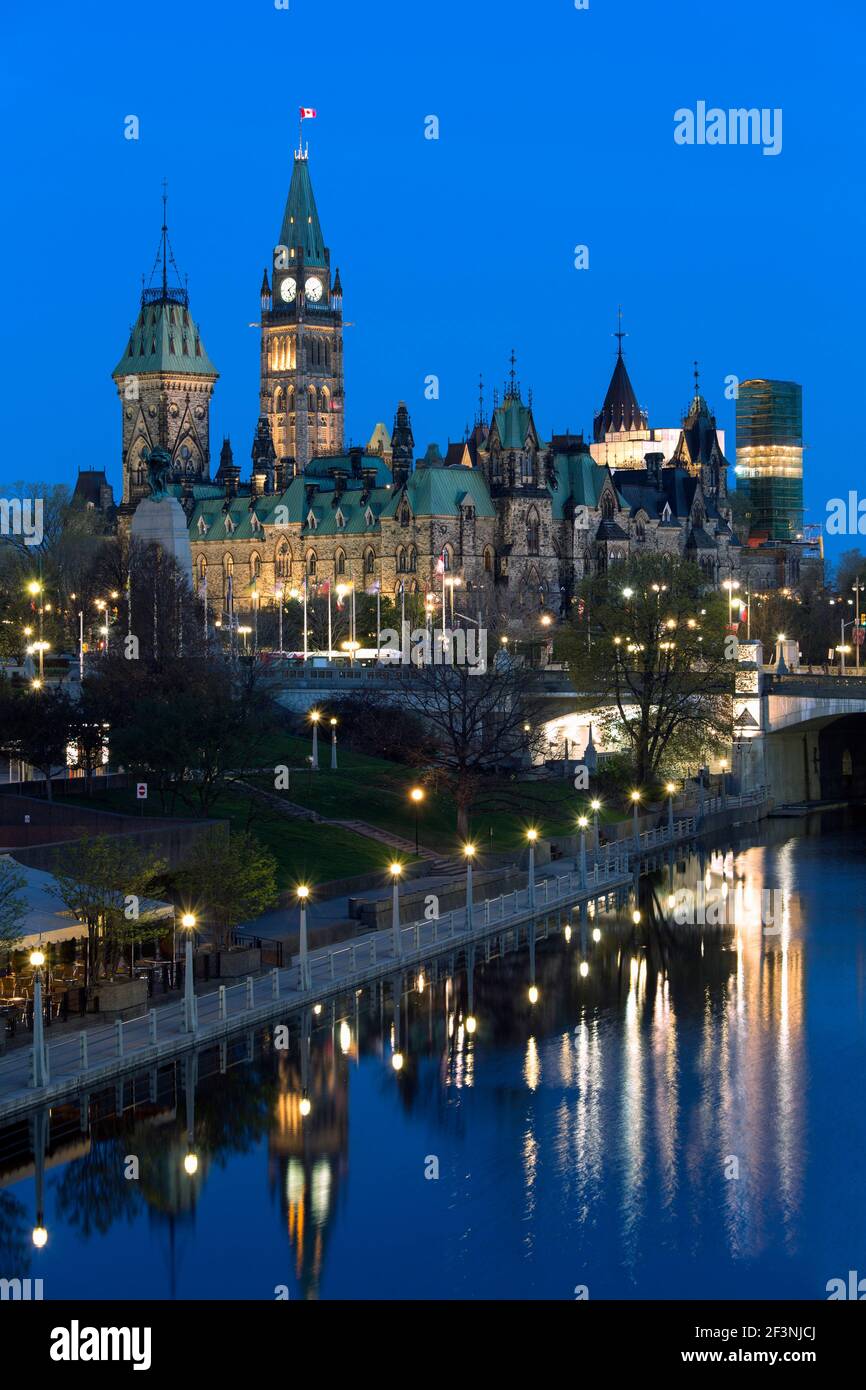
(301, 228)
(165, 338)
(698, 444)
(620, 411)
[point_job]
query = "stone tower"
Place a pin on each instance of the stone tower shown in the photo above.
(165, 381)
(302, 335)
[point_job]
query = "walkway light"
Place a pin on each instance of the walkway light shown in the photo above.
(416, 796)
(533, 994)
(627, 593)
(37, 958)
(469, 851)
(315, 716)
(303, 893)
(190, 1021)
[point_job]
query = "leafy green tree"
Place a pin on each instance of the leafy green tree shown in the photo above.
(226, 881)
(35, 726)
(656, 647)
(13, 905)
(102, 881)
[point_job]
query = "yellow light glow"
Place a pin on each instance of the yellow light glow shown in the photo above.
(532, 836)
(584, 969)
(395, 868)
(187, 921)
(533, 994)
(190, 1164)
(583, 822)
(37, 958)
(596, 805)
(670, 788)
(635, 796)
(302, 891)
(397, 1061)
(471, 1023)
(417, 794)
(469, 850)
(315, 715)
(305, 1107)
(635, 916)
(39, 1237)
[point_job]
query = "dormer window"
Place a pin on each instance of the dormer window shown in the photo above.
(607, 507)
(311, 519)
(202, 526)
(666, 512)
(255, 524)
(369, 517)
(230, 526)
(405, 515)
(339, 518)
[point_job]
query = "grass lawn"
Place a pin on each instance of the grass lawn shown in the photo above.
(377, 791)
(303, 850)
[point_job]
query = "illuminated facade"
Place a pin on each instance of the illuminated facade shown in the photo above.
(770, 456)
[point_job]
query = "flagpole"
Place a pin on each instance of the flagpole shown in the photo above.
(378, 614)
(402, 607)
(443, 600)
(353, 619)
(330, 639)
(305, 617)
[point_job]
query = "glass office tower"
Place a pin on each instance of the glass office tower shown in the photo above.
(770, 456)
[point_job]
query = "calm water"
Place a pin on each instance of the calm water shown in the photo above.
(591, 1139)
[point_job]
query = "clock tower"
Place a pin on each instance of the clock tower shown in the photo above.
(302, 334)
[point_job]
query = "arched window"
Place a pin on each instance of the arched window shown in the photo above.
(311, 400)
(413, 559)
(255, 566)
(201, 571)
(228, 571)
(607, 507)
(488, 560)
(533, 532)
(340, 562)
(279, 402)
(405, 515)
(369, 562)
(401, 560)
(311, 564)
(283, 561)
(640, 531)
(448, 559)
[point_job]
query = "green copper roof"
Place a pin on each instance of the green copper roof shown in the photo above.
(513, 421)
(578, 477)
(165, 339)
(301, 227)
(440, 492)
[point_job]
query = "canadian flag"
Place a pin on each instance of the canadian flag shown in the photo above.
(307, 113)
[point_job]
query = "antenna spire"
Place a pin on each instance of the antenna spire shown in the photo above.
(513, 374)
(164, 238)
(697, 380)
(619, 333)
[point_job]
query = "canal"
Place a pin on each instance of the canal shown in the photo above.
(678, 1114)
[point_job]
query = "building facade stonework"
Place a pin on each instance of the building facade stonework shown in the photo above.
(504, 515)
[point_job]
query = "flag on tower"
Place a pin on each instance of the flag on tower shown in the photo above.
(307, 113)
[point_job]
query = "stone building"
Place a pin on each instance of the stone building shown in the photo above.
(507, 516)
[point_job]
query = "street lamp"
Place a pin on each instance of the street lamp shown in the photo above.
(532, 836)
(469, 852)
(596, 807)
(635, 801)
(190, 1021)
(333, 745)
(395, 869)
(627, 593)
(583, 822)
(416, 796)
(315, 716)
(670, 789)
(245, 632)
(303, 893)
(533, 994)
(40, 1069)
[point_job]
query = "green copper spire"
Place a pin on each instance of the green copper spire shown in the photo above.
(301, 228)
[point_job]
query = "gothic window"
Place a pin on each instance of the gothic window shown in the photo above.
(640, 531)
(278, 402)
(202, 571)
(255, 566)
(228, 571)
(607, 507)
(311, 564)
(401, 561)
(448, 559)
(496, 467)
(533, 533)
(405, 515)
(340, 562)
(413, 559)
(488, 560)
(527, 469)
(311, 400)
(369, 562)
(601, 562)
(283, 561)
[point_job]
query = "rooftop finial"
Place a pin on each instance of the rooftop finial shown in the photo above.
(164, 237)
(512, 376)
(697, 380)
(619, 333)
(480, 420)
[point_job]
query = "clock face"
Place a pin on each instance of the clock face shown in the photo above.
(288, 289)
(313, 288)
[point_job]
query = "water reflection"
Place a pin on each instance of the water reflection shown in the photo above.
(619, 1101)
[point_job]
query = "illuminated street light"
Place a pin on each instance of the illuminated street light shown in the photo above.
(395, 869)
(190, 1021)
(416, 796)
(303, 894)
(315, 716)
(469, 851)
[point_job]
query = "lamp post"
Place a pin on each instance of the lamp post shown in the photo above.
(395, 869)
(278, 595)
(596, 807)
(469, 851)
(190, 1021)
(532, 836)
(857, 588)
(245, 632)
(40, 1061)
(315, 716)
(416, 796)
(583, 822)
(303, 893)
(635, 801)
(333, 745)
(670, 789)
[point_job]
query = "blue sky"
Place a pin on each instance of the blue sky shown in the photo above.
(556, 129)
